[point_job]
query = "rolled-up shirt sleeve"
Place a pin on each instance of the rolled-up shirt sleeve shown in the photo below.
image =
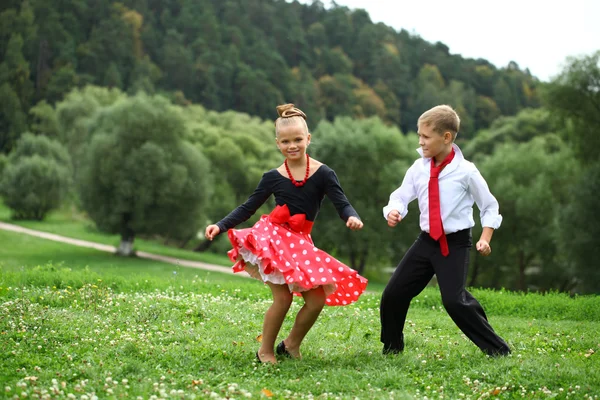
(485, 200)
(401, 197)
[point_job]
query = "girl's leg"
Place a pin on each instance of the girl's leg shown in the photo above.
(282, 299)
(314, 301)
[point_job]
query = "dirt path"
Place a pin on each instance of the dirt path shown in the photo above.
(112, 249)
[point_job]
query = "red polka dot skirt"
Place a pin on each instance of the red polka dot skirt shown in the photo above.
(280, 250)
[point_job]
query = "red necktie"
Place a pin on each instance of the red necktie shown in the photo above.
(436, 228)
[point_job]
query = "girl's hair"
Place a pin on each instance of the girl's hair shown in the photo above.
(441, 119)
(290, 115)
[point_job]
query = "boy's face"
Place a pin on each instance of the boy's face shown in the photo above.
(431, 142)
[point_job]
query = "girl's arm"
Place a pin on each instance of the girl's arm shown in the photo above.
(246, 210)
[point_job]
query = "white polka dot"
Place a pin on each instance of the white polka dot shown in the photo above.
(266, 228)
(335, 280)
(350, 284)
(274, 262)
(318, 259)
(288, 234)
(341, 269)
(263, 238)
(301, 241)
(297, 268)
(307, 262)
(274, 232)
(287, 264)
(344, 302)
(276, 228)
(347, 294)
(294, 255)
(265, 248)
(290, 279)
(312, 279)
(330, 270)
(291, 245)
(327, 259)
(356, 293)
(323, 280)
(321, 270)
(277, 242)
(300, 278)
(339, 294)
(304, 252)
(328, 300)
(315, 249)
(309, 271)
(280, 251)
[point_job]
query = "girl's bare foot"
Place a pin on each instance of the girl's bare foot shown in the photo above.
(288, 351)
(266, 358)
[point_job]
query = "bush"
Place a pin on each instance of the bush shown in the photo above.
(36, 178)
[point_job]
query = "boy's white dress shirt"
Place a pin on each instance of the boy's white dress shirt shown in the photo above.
(460, 185)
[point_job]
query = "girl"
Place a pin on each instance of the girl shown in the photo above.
(279, 250)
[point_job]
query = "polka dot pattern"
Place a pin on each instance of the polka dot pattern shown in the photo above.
(293, 255)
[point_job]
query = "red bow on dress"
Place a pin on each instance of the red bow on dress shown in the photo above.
(281, 215)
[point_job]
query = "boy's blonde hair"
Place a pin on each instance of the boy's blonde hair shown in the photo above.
(290, 115)
(441, 119)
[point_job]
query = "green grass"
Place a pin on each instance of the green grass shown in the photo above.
(83, 322)
(66, 222)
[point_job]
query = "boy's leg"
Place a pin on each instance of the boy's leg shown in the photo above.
(463, 308)
(410, 278)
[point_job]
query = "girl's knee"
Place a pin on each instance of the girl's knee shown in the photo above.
(316, 300)
(283, 299)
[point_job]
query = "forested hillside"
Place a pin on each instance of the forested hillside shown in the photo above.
(243, 55)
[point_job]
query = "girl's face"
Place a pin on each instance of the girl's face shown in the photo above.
(292, 141)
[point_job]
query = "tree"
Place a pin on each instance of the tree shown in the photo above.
(37, 177)
(140, 176)
(369, 159)
(580, 230)
(16, 91)
(532, 183)
(574, 95)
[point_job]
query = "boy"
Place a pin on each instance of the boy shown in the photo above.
(446, 186)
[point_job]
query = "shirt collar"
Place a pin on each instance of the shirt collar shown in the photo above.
(457, 157)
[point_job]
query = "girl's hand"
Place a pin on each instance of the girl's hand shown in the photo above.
(483, 247)
(212, 231)
(354, 223)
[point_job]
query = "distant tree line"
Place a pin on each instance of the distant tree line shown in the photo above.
(243, 55)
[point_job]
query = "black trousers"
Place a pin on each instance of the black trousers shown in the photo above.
(414, 272)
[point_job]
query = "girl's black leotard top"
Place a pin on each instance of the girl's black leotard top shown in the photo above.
(300, 200)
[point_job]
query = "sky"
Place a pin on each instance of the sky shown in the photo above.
(536, 34)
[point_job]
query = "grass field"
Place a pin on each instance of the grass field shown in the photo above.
(79, 323)
(71, 224)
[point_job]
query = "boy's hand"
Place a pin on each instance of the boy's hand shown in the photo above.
(393, 218)
(483, 247)
(354, 223)
(212, 231)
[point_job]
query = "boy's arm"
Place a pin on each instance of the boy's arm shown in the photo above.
(486, 202)
(489, 210)
(401, 197)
